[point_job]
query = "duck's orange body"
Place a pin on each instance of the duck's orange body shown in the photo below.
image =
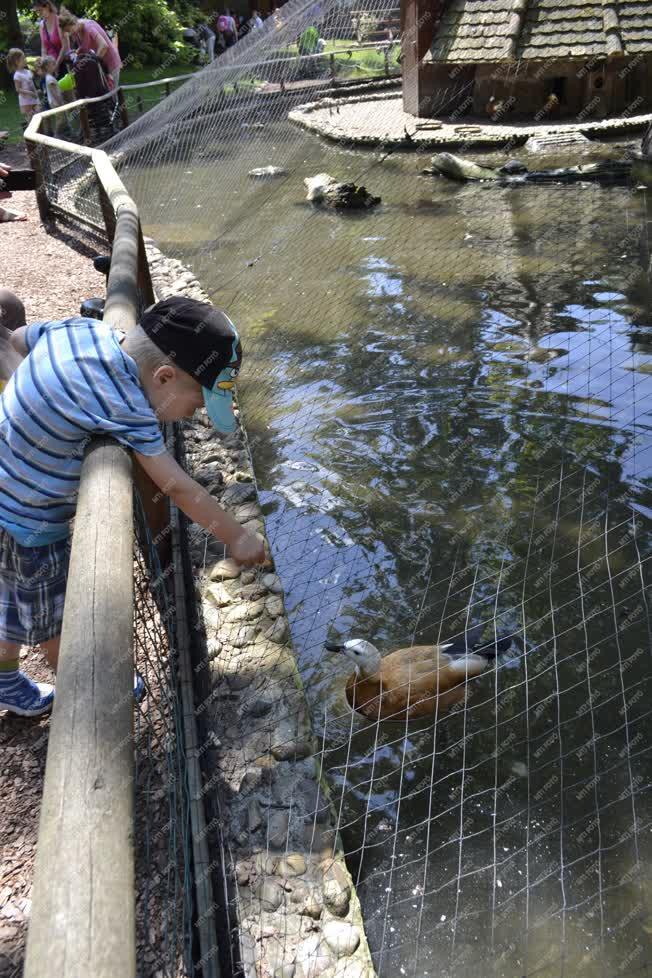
(414, 682)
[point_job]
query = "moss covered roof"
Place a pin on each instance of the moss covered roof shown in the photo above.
(497, 30)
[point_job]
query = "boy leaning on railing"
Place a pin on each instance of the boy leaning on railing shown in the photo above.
(81, 378)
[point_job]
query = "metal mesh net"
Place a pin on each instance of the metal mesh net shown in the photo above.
(164, 888)
(446, 405)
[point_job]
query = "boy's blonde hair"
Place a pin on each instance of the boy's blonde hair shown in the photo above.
(67, 20)
(43, 64)
(14, 56)
(147, 354)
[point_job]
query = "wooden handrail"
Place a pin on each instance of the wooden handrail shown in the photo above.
(83, 902)
(83, 920)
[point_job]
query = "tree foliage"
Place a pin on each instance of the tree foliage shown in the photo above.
(149, 31)
(10, 37)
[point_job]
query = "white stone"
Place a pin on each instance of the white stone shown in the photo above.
(274, 606)
(342, 938)
(294, 864)
(278, 632)
(218, 595)
(269, 893)
(313, 956)
(224, 570)
(273, 583)
(246, 611)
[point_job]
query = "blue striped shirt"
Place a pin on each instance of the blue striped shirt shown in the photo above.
(76, 383)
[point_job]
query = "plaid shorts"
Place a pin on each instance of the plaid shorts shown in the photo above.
(32, 590)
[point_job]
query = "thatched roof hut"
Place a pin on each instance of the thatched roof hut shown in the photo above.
(594, 57)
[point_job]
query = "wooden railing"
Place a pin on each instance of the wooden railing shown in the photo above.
(83, 904)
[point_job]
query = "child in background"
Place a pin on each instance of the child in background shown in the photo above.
(45, 68)
(28, 99)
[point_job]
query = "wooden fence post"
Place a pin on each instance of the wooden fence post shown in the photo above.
(83, 907)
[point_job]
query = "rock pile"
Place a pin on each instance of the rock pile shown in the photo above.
(297, 911)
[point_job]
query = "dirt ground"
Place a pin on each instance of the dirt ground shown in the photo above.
(52, 277)
(50, 272)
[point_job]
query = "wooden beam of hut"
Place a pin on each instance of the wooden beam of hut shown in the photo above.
(514, 27)
(611, 27)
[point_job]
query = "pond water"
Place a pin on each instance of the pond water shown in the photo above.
(448, 401)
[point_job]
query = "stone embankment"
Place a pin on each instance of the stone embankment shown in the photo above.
(294, 904)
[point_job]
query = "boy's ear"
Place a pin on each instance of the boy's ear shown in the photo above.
(165, 373)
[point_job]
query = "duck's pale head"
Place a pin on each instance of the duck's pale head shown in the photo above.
(365, 657)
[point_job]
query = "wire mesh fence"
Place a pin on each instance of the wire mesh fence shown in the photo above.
(446, 401)
(163, 835)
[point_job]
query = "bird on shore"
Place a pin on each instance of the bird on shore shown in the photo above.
(417, 681)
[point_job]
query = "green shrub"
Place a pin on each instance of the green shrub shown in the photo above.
(149, 32)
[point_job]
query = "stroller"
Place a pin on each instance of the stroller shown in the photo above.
(91, 81)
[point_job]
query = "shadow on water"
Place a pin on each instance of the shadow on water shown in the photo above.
(448, 405)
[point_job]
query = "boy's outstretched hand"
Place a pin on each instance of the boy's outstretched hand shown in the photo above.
(248, 548)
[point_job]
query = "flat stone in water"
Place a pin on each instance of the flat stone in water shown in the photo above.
(224, 570)
(342, 938)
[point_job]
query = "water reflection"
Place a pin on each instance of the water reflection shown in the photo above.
(448, 403)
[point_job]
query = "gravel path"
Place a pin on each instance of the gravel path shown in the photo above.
(52, 279)
(51, 273)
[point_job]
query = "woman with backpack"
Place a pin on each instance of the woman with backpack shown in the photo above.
(227, 28)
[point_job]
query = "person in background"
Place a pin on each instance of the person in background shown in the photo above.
(207, 35)
(227, 28)
(255, 20)
(244, 26)
(28, 99)
(54, 44)
(89, 36)
(12, 316)
(45, 68)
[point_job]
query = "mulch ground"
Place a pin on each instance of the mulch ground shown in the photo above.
(23, 747)
(51, 272)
